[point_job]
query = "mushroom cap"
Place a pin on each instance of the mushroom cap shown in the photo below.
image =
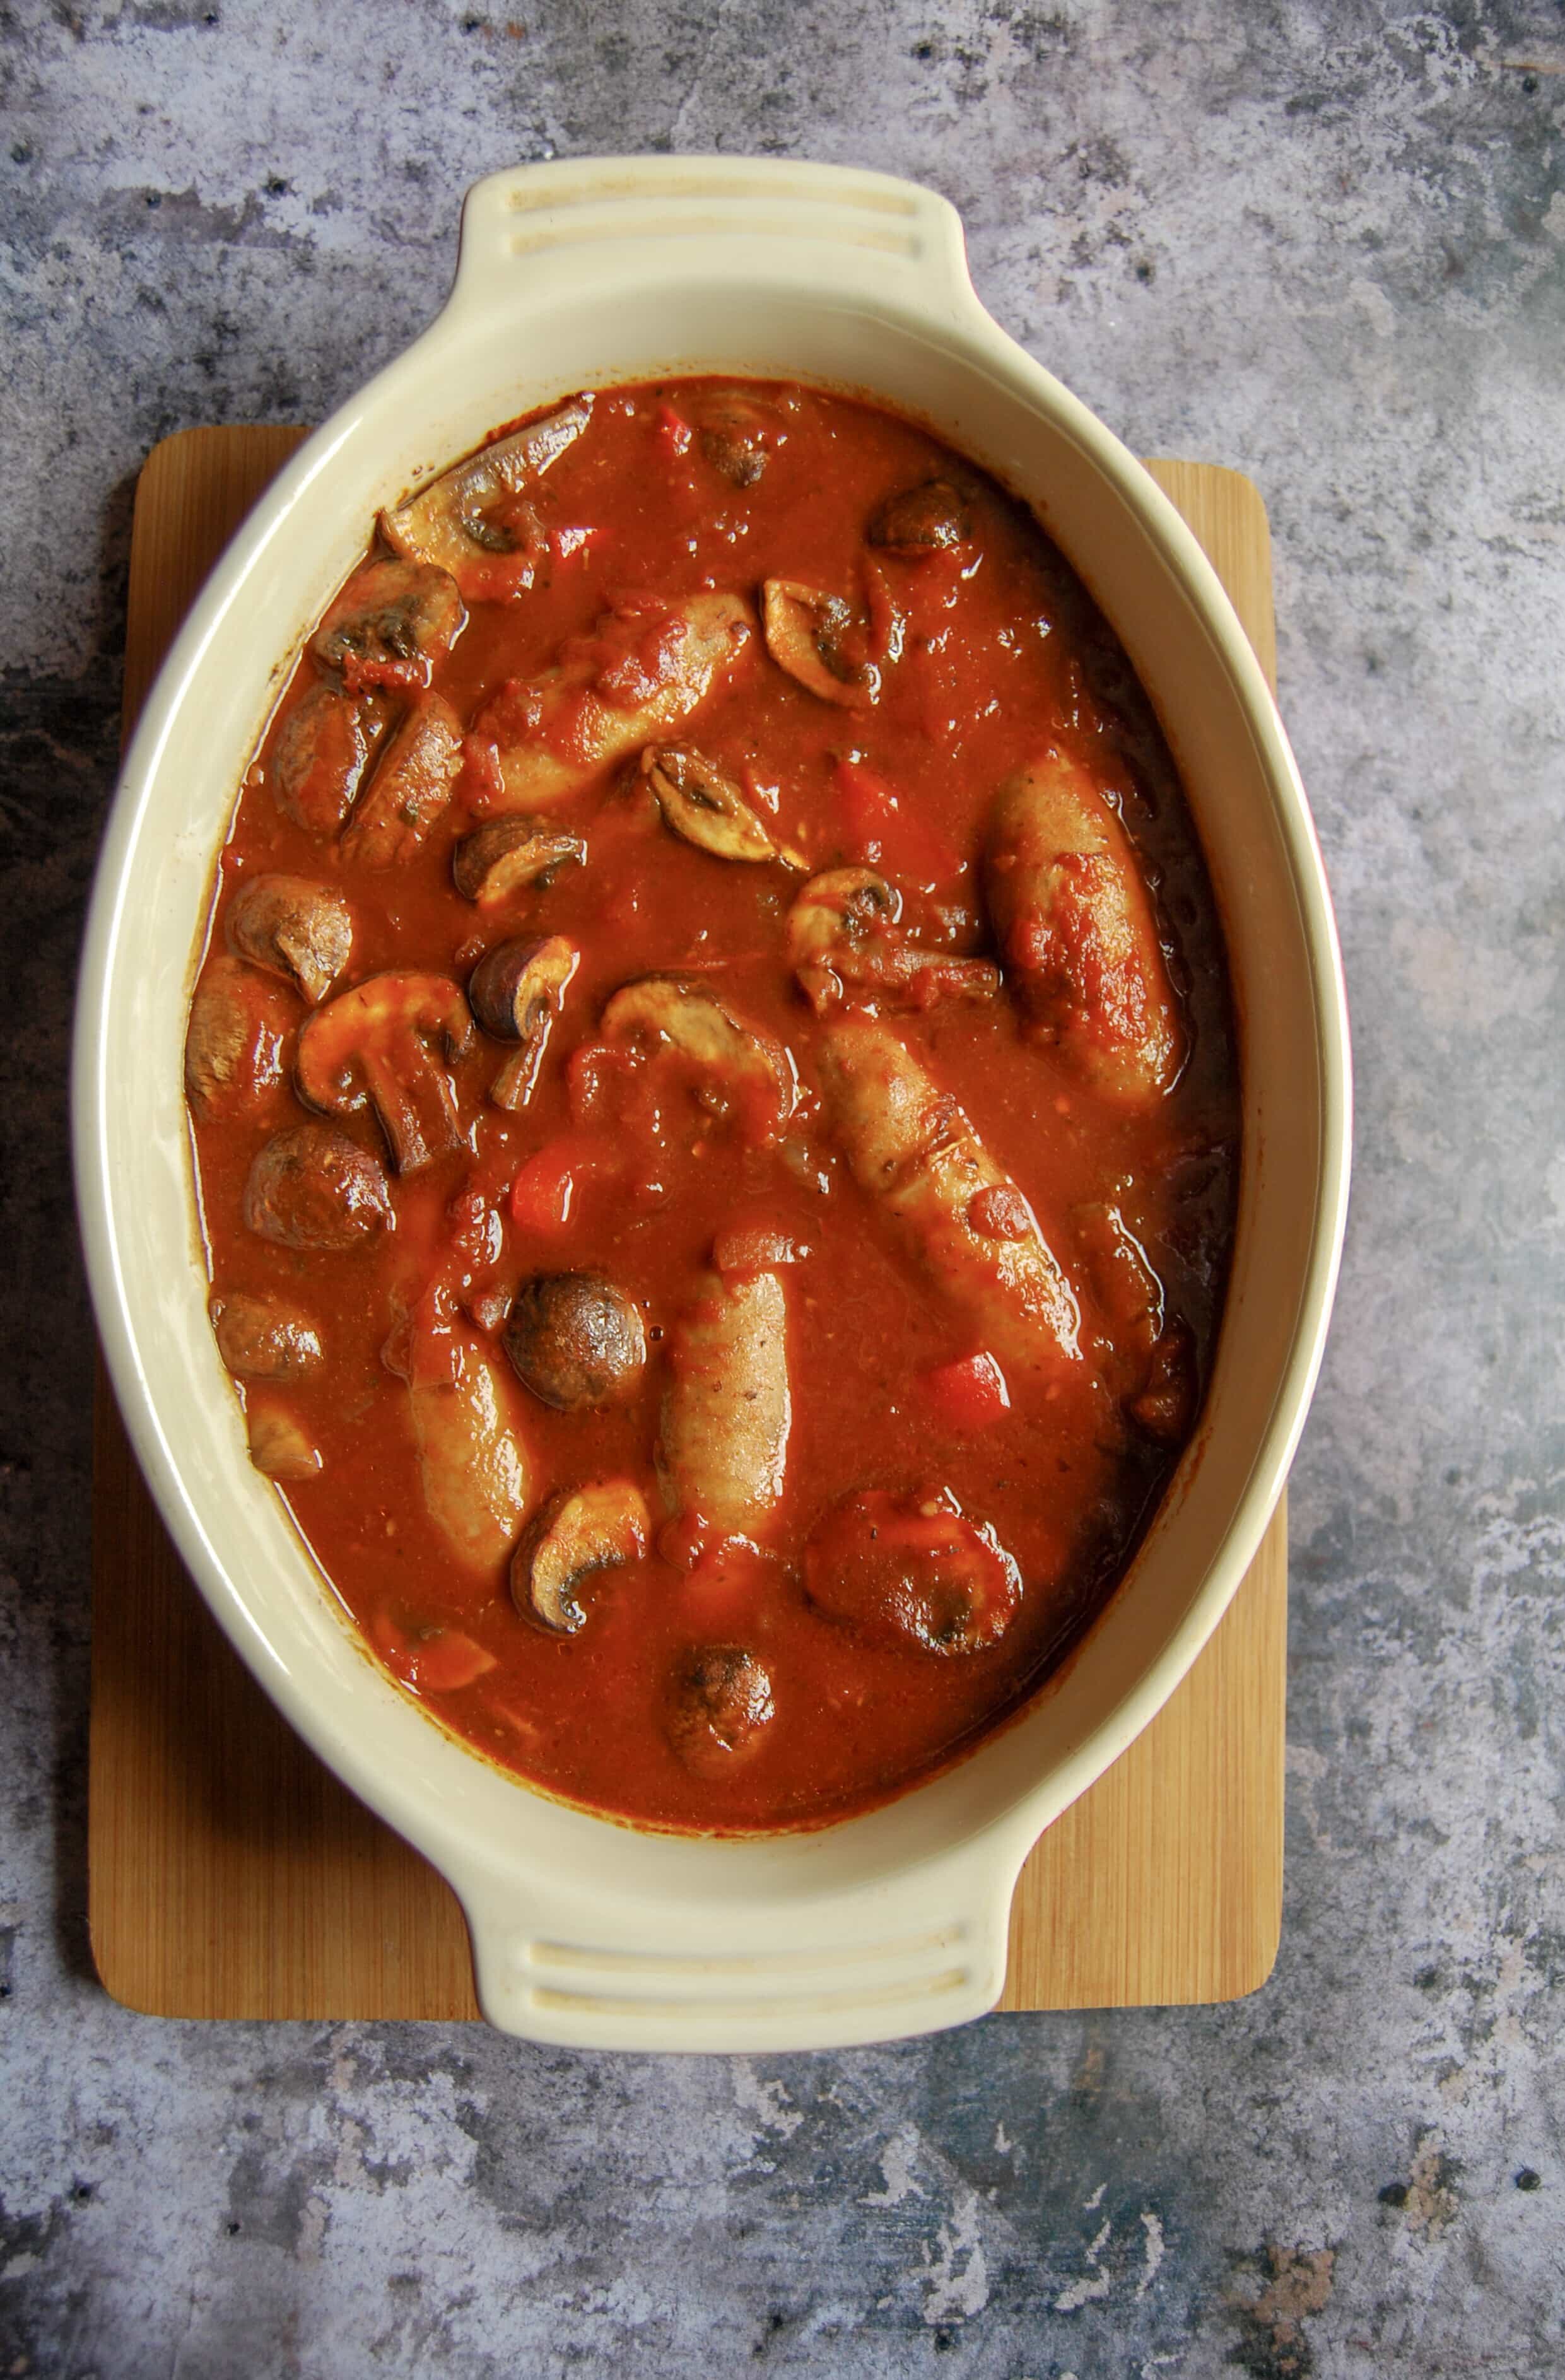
(576, 1341)
(319, 757)
(515, 991)
(293, 928)
(934, 518)
(313, 1187)
(721, 1703)
(260, 1340)
(516, 986)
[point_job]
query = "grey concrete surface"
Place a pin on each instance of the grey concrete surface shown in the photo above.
(1318, 240)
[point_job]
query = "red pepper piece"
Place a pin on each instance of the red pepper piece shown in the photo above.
(546, 1190)
(969, 1394)
(879, 828)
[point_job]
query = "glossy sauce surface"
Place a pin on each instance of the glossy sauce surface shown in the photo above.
(950, 1493)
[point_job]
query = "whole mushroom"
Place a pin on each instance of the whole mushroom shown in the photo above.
(931, 518)
(311, 1187)
(576, 1341)
(720, 1704)
(260, 1340)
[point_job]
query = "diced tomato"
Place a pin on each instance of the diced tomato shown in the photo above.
(674, 432)
(879, 828)
(969, 1394)
(547, 1188)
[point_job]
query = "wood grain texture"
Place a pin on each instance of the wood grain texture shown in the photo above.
(230, 1874)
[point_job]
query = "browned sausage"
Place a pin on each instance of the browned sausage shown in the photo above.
(728, 1408)
(1078, 933)
(911, 1146)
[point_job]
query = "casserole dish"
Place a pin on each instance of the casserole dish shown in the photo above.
(584, 1931)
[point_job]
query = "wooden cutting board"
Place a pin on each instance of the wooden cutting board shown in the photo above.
(230, 1874)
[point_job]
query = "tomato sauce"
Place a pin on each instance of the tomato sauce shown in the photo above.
(932, 1502)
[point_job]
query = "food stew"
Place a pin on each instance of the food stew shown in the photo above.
(715, 1103)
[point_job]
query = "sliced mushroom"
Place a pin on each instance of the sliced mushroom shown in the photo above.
(932, 518)
(576, 1341)
(720, 1704)
(279, 1445)
(845, 942)
(819, 639)
(911, 1569)
(259, 1341)
(475, 520)
(410, 789)
(235, 1043)
(378, 1043)
(644, 670)
(318, 760)
(733, 434)
(578, 1533)
(311, 1187)
(511, 857)
(704, 805)
(516, 991)
(739, 1068)
(295, 928)
(389, 626)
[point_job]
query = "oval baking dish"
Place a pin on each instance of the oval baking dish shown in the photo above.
(582, 275)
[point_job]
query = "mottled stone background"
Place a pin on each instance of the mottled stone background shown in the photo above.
(1319, 239)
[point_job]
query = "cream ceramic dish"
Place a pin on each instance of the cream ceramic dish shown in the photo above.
(572, 276)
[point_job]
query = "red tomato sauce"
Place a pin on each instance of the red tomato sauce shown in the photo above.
(946, 1515)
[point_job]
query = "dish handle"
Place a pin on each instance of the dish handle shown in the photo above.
(749, 1970)
(835, 230)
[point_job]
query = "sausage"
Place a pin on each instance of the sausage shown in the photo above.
(471, 1461)
(911, 1146)
(728, 1406)
(1078, 933)
(640, 676)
